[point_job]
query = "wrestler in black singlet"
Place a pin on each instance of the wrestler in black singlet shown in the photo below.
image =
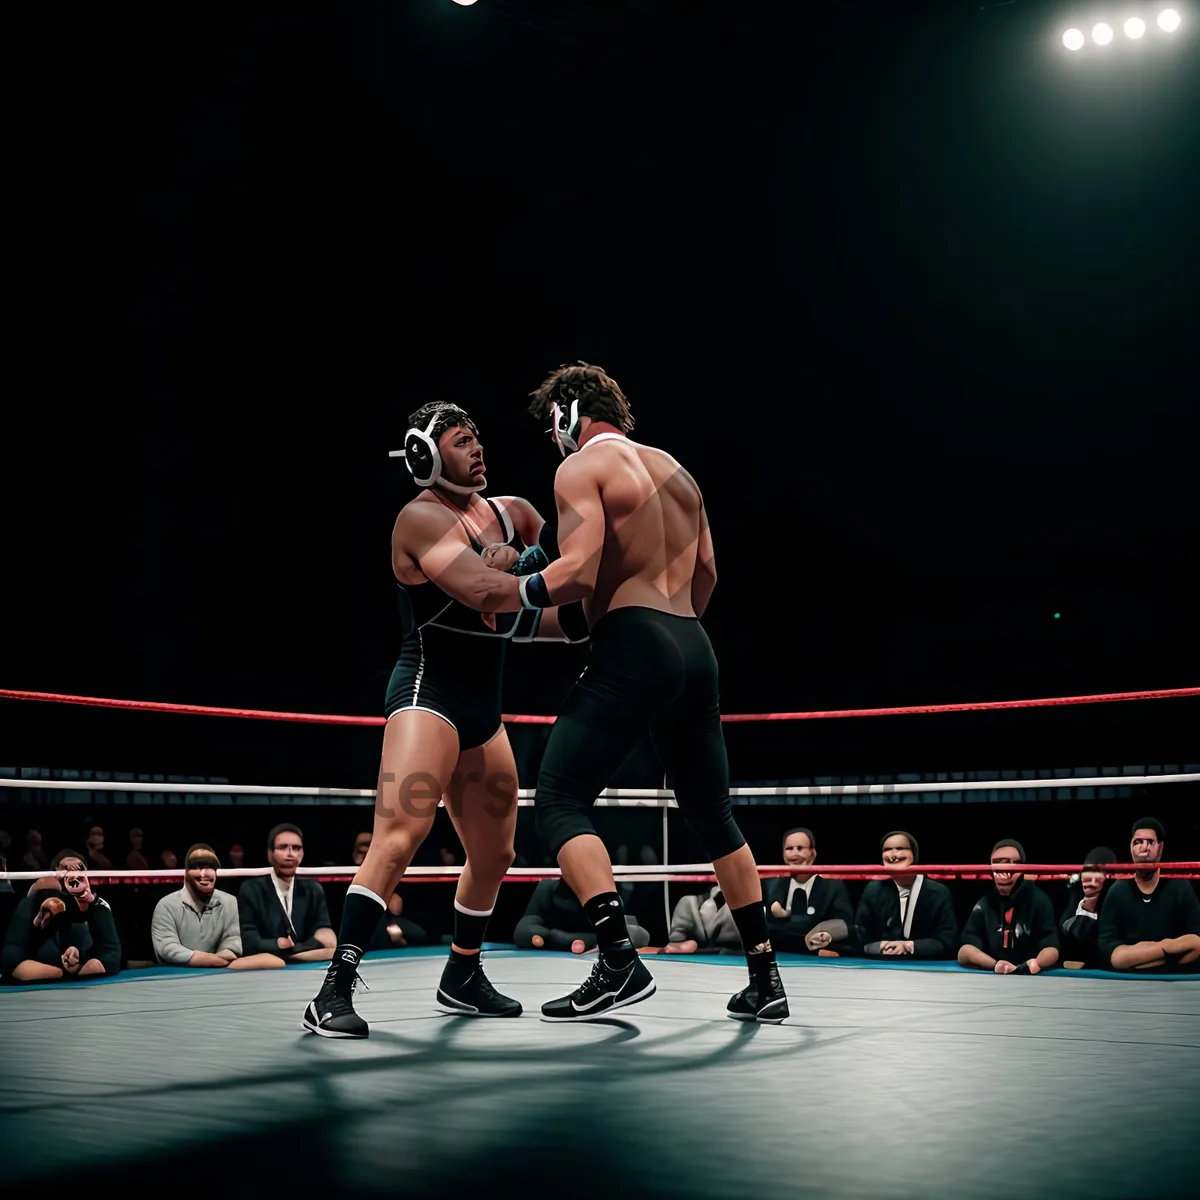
(452, 658)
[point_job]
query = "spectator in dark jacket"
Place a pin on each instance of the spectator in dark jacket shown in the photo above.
(555, 920)
(282, 913)
(907, 916)
(806, 913)
(1079, 925)
(1011, 930)
(61, 929)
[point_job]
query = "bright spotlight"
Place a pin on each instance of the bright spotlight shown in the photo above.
(464, 2)
(1102, 34)
(1135, 27)
(1168, 20)
(1073, 39)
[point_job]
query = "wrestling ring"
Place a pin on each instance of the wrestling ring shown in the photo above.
(902, 1079)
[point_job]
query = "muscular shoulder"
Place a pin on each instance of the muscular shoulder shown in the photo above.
(421, 523)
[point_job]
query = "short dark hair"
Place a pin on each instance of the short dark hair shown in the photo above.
(908, 837)
(204, 850)
(449, 415)
(599, 396)
(284, 828)
(808, 833)
(62, 855)
(1150, 823)
(1014, 844)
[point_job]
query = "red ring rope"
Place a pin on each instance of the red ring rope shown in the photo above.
(688, 873)
(526, 719)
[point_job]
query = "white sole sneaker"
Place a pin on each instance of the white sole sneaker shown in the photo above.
(644, 994)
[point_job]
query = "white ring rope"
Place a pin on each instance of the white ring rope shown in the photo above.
(614, 797)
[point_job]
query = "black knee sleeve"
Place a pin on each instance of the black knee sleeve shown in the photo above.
(560, 816)
(716, 829)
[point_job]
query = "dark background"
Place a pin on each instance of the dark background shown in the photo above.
(909, 291)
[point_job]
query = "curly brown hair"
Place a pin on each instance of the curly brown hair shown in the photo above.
(599, 396)
(448, 416)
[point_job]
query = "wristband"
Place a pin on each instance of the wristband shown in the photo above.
(532, 559)
(534, 593)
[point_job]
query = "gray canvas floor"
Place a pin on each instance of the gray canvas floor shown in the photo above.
(883, 1083)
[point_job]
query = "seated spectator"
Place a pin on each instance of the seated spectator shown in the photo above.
(702, 924)
(1011, 930)
(362, 843)
(907, 916)
(61, 929)
(237, 860)
(806, 913)
(393, 931)
(1149, 922)
(135, 860)
(169, 859)
(34, 859)
(197, 926)
(5, 843)
(1079, 925)
(555, 920)
(282, 914)
(95, 849)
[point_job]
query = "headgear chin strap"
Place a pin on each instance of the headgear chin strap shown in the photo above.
(566, 427)
(424, 460)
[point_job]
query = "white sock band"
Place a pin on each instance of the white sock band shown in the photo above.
(357, 889)
(474, 912)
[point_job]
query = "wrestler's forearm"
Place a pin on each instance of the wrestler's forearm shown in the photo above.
(568, 580)
(492, 592)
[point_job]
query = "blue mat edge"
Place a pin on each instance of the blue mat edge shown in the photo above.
(145, 974)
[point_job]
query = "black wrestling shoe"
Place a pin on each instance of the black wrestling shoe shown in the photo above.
(608, 987)
(469, 992)
(331, 1014)
(764, 1000)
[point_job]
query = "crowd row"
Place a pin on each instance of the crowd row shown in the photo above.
(62, 928)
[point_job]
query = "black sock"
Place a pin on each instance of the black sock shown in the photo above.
(360, 915)
(607, 915)
(469, 929)
(751, 921)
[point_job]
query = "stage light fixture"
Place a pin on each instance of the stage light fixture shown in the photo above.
(1169, 20)
(1102, 34)
(1135, 28)
(1073, 39)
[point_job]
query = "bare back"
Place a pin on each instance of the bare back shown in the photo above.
(655, 529)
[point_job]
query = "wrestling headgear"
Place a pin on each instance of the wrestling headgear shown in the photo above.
(424, 460)
(566, 426)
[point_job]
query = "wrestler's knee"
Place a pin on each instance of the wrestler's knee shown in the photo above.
(395, 847)
(493, 861)
(717, 833)
(560, 818)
